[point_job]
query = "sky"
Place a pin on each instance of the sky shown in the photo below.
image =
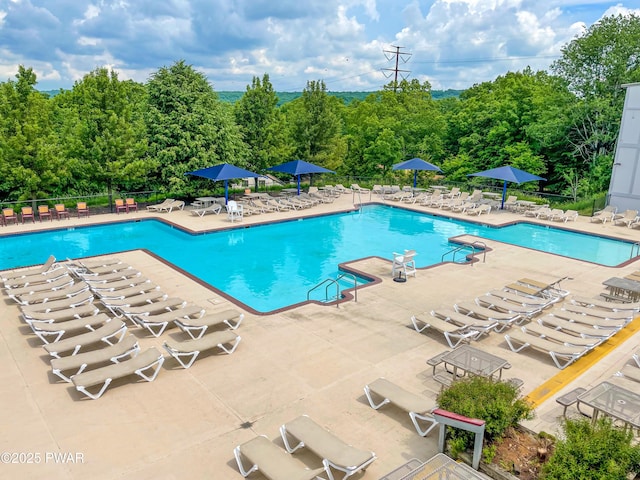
(352, 45)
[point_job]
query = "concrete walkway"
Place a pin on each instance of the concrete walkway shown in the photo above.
(313, 359)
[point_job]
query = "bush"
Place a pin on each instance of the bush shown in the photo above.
(599, 451)
(497, 403)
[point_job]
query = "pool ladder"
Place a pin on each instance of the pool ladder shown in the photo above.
(635, 248)
(328, 282)
(475, 246)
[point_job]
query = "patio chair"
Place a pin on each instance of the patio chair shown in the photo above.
(563, 338)
(9, 215)
(186, 352)
(150, 361)
(418, 406)
(303, 432)
(171, 206)
(110, 333)
(496, 303)
(60, 211)
(159, 206)
(628, 217)
(50, 264)
(593, 321)
(481, 325)
(82, 209)
(404, 262)
(575, 328)
(157, 323)
(26, 213)
(80, 311)
(479, 210)
(566, 216)
(549, 214)
(48, 296)
(604, 215)
(216, 208)
(37, 278)
(131, 204)
(542, 210)
(77, 364)
(454, 334)
(59, 283)
(604, 305)
(511, 203)
(197, 327)
(44, 212)
(62, 304)
(234, 211)
(599, 312)
(50, 332)
(562, 355)
(504, 319)
(120, 205)
(271, 461)
(525, 300)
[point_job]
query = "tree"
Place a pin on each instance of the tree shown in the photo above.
(594, 66)
(189, 128)
(259, 120)
(315, 124)
(105, 133)
(30, 157)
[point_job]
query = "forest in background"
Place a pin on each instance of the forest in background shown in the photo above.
(107, 135)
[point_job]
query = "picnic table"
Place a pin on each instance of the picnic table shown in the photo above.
(613, 401)
(624, 289)
(474, 361)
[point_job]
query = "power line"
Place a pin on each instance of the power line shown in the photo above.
(398, 55)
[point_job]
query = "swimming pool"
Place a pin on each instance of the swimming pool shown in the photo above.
(272, 266)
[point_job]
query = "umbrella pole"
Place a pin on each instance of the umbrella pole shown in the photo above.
(415, 178)
(298, 184)
(226, 192)
(504, 194)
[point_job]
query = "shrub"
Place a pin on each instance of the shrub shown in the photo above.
(497, 403)
(599, 452)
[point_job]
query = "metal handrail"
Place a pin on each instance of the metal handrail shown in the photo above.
(456, 250)
(636, 247)
(483, 247)
(330, 282)
(350, 276)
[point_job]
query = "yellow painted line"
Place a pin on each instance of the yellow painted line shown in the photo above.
(577, 368)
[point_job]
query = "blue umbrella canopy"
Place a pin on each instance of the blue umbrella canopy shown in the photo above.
(508, 174)
(416, 164)
(299, 167)
(223, 172)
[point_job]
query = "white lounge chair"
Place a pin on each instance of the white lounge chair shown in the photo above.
(604, 215)
(190, 349)
(628, 218)
(157, 207)
(63, 304)
(271, 461)
(46, 296)
(561, 355)
(404, 262)
(157, 323)
(504, 319)
(334, 452)
(62, 282)
(80, 311)
(110, 333)
(481, 325)
(576, 328)
(49, 265)
(50, 332)
(454, 334)
(563, 338)
(566, 216)
(418, 407)
(150, 361)
(37, 278)
(197, 327)
(216, 208)
(604, 305)
(128, 347)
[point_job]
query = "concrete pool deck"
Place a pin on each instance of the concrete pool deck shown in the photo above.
(313, 359)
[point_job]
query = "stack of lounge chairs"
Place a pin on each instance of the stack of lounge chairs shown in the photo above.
(82, 312)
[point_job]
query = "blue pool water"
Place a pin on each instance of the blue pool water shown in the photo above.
(273, 266)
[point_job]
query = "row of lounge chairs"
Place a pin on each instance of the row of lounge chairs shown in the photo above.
(58, 302)
(554, 214)
(10, 216)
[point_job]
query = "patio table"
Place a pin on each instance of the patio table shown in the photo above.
(613, 401)
(474, 361)
(206, 201)
(623, 288)
(439, 467)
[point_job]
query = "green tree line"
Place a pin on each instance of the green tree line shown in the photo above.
(106, 134)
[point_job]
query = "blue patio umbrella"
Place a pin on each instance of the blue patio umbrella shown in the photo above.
(223, 172)
(299, 167)
(416, 164)
(508, 174)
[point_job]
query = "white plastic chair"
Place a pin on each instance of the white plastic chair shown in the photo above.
(404, 262)
(234, 210)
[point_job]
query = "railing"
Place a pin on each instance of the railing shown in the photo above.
(481, 246)
(456, 250)
(635, 248)
(329, 282)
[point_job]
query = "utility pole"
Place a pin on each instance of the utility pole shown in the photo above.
(398, 54)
